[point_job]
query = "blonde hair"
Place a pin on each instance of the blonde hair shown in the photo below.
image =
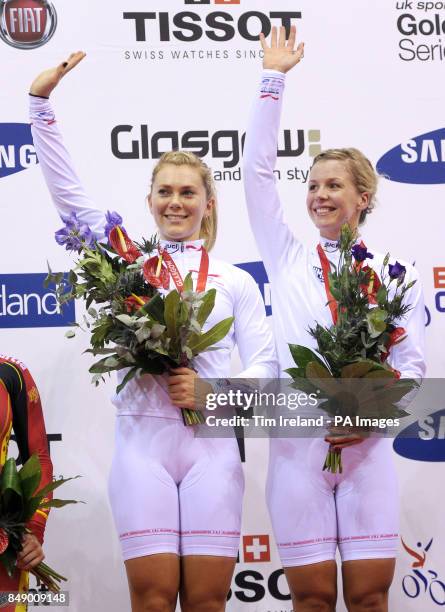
(362, 172)
(209, 223)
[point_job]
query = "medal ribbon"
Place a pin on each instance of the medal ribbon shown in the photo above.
(176, 275)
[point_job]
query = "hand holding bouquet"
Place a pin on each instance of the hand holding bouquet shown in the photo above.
(19, 500)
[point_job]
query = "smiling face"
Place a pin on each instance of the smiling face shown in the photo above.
(179, 202)
(333, 198)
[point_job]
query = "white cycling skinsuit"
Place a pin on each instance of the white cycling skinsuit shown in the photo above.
(169, 490)
(314, 511)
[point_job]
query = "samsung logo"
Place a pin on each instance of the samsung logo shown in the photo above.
(423, 440)
(420, 160)
(17, 151)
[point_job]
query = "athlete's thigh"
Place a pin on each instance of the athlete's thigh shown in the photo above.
(301, 501)
(153, 579)
(316, 583)
(143, 494)
(210, 498)
(368, 502)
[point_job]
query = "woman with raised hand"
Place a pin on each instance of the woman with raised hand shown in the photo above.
(176, 498)
(314, 511)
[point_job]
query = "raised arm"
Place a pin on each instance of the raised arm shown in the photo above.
(271, 231)
(63, 183)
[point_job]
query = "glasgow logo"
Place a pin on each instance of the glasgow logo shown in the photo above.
(16, 148)
(24, 302)
(420, 160)
(423, 440)
(257, 271)
(27, 24)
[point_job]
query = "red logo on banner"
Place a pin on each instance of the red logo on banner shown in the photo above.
(27, 24)
(256, 548)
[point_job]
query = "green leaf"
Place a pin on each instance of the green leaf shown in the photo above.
(155, 308)
(303, 355)
(30, 475)
(70, 333)
(208, 303)
(100, 368)
(317, 370)
(54, 485)
(59, 503)
(376, 319)
(214, 335)
(382, 294)
(10, 479)
(357, 369)
(188, 282)
(171, 312)
(128, 376)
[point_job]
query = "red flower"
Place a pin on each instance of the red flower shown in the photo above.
(372, 285)
(395, 337)
(155, 273)
(134, 302)
(122, 244)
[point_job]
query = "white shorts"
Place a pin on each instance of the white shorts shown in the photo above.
(171, 492)
(314, 511)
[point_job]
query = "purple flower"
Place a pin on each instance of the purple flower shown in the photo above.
(113, 219)
(397, 271)
(75, 235)
(360, 253)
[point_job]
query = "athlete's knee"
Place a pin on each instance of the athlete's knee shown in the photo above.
(200, 601)
(367, 602)
(147, 597)
(323, 600)
(151, 602)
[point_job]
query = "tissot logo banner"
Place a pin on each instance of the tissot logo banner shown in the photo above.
(420, 160)
(24, 302)
(219, 26)
(257, 270)
(424, 440)
(16, 148)
(27, 24)
(256, 548)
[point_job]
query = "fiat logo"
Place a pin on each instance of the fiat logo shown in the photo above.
(27, 24)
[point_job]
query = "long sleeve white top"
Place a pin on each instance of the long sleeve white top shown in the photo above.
(237, 293)
(297, 287)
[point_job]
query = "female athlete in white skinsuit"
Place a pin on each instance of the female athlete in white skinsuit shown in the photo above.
(314, 511)
(176, 498)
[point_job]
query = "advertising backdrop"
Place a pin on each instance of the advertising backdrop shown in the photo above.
(181, 73)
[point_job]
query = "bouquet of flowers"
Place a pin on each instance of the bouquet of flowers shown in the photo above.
(150, 333)
(18, 503)
(349, 370)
